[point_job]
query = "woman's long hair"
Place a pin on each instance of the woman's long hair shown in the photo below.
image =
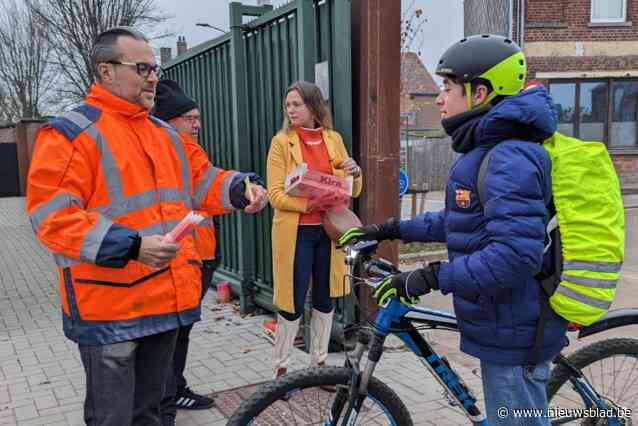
(312, 97)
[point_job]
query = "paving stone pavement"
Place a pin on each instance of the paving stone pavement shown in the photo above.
(41, 376)
(42, 380)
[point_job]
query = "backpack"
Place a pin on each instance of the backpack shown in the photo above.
(587, 232)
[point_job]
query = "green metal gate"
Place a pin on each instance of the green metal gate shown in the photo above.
(239, 80)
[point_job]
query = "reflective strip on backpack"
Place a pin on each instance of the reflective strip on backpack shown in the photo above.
(61, 201)
(590, 282)
(583, 265)
(596, 303)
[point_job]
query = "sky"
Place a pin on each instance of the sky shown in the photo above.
(444, 23)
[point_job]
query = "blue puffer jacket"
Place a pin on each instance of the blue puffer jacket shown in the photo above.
(496, 250)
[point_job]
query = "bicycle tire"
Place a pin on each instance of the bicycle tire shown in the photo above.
(273, 391)
(588, 355)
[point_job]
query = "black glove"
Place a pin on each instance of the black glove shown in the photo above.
(408, 286)
(238, 189)
(385, 231)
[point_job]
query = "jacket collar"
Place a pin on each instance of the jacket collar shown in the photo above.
(103, 99)
(295, 148)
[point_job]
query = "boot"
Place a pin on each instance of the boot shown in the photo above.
(284, 340)
(320, 326)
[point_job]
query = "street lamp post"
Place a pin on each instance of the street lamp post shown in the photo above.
(207, 25)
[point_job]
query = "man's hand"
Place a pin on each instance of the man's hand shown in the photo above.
(408, 286)
(384, 231)
(258, 198)
(156, 252)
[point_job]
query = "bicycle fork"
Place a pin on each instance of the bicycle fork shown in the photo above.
(357, 392)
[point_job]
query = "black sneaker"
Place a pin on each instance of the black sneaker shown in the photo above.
(189, 400)
(169, 421)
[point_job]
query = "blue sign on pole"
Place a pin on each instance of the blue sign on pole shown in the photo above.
(403, 182)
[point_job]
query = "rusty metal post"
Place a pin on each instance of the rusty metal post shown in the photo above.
(26, 131)
(376, 59)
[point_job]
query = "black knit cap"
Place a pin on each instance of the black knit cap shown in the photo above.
(171, 101)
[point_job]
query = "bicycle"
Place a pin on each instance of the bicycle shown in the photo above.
(300, 397)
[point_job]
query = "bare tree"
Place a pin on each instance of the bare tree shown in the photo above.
(412, 21)
(25, 73)
(73, 26)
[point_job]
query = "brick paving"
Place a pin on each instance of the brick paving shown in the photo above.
(41, 376)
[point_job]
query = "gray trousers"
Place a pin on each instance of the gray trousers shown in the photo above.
(125, 381)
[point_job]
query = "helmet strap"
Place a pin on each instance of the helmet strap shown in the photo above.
(468, 95)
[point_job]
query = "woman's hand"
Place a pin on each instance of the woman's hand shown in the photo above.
(350, 167)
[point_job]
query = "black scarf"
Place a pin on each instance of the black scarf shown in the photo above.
(461, 128)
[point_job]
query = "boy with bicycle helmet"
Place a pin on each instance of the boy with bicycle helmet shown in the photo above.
(495, 244)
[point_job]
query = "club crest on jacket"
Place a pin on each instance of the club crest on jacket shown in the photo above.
(463, 198)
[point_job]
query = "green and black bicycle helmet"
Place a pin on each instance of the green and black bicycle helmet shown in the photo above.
(492, 57)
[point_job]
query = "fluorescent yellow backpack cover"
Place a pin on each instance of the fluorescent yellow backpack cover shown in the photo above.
(591, 220)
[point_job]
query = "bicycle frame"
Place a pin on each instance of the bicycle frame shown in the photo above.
(397, 318)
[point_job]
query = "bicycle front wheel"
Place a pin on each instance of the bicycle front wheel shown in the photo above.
(299, 398)
(611, 367)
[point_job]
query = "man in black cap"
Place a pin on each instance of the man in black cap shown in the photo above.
(174, 107)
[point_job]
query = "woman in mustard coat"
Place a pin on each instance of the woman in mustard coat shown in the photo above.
(300, 247)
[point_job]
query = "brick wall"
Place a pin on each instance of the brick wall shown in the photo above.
(569, 20)
(415, 79)
(627, 169)
(541, 11)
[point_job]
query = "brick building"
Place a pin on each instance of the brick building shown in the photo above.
(418, 94)
(586, 53)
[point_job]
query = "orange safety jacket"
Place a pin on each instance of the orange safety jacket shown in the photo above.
(101, 176)
(205, 233)
(206, 239)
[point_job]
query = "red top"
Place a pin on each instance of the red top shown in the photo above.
(315, 154)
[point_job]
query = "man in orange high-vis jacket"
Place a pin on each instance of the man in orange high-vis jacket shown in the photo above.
(176, 108)
(106, 182)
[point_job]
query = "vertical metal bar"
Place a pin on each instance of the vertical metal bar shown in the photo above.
(306, 39)
(341, 72)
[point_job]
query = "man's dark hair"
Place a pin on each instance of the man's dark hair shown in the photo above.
(104, 48)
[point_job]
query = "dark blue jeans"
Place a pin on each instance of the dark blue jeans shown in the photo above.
(125, 381)
(312, 258)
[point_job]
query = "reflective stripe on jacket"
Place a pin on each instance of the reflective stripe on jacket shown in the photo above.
(205, 239)
(100, 175)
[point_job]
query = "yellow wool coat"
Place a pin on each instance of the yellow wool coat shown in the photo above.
(283, 157)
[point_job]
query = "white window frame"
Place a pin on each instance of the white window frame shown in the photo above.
(604, 20)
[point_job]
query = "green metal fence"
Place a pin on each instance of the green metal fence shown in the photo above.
(239, 80)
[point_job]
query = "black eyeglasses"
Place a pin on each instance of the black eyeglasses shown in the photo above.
(142, 68)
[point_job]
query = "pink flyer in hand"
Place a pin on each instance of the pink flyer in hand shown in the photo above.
(306, 183)
(186, 226)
